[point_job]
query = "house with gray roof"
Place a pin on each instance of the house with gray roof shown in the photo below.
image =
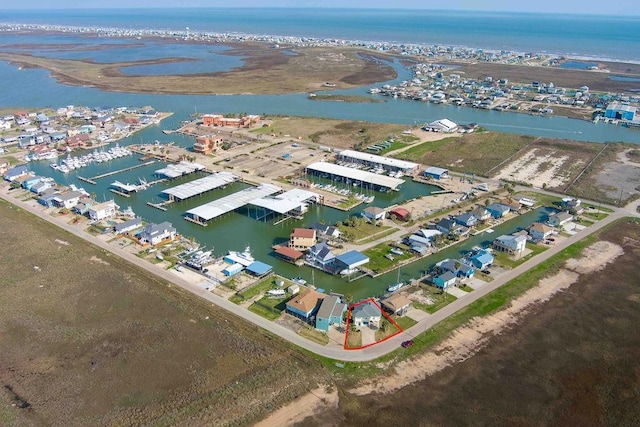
(366, 314)
(330, 312)
(154, 234)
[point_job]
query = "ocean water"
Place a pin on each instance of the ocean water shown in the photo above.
(582, 36)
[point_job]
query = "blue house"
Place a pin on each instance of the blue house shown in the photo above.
(467, 219)
(16, 172)
(321, 255)
(330, 312)
(458, 268)
(40, 187)
(28, 183)
(481, 260)
(445, 280)
(498, 210)
(46, 198)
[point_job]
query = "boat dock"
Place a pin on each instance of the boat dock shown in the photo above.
(93, 179)
(160, 206)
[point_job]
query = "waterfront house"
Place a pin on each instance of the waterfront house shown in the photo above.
(559, 219)
(321, 256)
(374, 213)
(16, 172)
(30, 181)
(436, 173)
(366, 314)
(445, 280)
(540, 232)
(127, 226)
(302, 239)
(154, 234)
(400, 214)
(103, 210)
(428, 233)
(481, 213)
(46, 198)
(498, 210)
(448, 226)
(40, 187)
(512, 244)
(466, 219)
(396, 304)
(325, 232)
(481, 260)
(456, 267)
(573, 206)
(331, 312)
(305, 304)
(288, 254)
(67, 200)
(418, 240)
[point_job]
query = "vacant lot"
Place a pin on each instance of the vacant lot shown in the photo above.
(87, 339)
(475, 153)
(571, 361)
(266, 70)
(334, 133)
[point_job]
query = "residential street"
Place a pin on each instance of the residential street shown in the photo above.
(366, 354)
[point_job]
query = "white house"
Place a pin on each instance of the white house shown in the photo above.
(540, 232)
(67, 200)
(374, 213)
(367, 314)
(156, 233)
(103, 210)
(442, 125)
(559, 219)
(511, 244)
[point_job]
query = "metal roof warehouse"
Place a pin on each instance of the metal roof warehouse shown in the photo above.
(200, 185)
(375, 160)
(381, 181)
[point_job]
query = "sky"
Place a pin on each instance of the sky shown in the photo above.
(608, 7)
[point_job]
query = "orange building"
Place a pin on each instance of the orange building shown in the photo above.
(220, 120)
(207, 144)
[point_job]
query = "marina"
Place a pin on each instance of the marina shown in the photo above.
(200, 186)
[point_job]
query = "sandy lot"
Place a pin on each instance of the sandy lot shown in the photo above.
(537, 169)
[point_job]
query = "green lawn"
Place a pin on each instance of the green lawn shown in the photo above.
(364, 230)
(405, 322)
(260, 287)
(377, 260)
(314, 335)
(264, 312)
(465, 288)
(507, 261)
(354, 339)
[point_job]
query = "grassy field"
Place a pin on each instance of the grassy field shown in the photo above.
(332, 132)
(377, 260)
(266, 71)
(572, 361)
(87, 339)
(473, 153)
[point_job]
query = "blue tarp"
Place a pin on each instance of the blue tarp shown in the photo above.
(258, 268)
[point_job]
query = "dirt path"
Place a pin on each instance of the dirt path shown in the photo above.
(314, 402)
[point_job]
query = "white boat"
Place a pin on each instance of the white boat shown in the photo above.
(245, 258)
(348, 271)
(276, 292)
(395, 287)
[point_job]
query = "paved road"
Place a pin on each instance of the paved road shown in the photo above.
(366, 354)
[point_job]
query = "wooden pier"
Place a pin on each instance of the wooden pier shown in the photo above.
(160, 206)
(104, 175)
(120, 193)
(89, 180)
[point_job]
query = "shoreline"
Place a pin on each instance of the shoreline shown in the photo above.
(241, 37)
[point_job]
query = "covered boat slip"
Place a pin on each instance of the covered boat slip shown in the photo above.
(179, 169)
(355, 176)
(204, 213)
(373, 160)
(200, 186)
(291, 203)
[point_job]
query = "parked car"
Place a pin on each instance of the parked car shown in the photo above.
(486, 271)
(407, 344)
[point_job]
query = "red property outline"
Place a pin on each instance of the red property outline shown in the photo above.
(351, 307)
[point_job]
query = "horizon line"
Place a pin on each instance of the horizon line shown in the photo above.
(400, 8)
